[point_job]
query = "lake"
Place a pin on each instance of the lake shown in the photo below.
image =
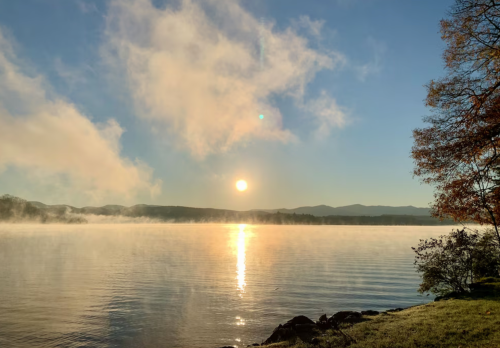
(194, 285)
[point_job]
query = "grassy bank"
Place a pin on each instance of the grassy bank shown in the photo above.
(467, 321)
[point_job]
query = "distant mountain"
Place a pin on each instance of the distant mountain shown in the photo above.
(17, 210)
(353, 210)
(158, 212)
(210, 214)
(13, 209)
(281, 217)
(319, 210)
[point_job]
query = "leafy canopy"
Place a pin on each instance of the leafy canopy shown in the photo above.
(459, 151)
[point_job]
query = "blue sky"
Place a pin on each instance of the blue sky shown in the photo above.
(159, 103)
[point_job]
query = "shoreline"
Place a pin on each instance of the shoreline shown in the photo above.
(455, 320)
(303, 326)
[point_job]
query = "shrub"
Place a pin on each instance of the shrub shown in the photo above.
(451, 263)
(487, 262)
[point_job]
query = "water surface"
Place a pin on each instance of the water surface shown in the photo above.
(179, 286)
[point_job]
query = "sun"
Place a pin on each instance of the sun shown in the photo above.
(241, 185)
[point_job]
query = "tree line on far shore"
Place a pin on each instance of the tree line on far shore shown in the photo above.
(14, 209)
(17, 210)
(307, 219)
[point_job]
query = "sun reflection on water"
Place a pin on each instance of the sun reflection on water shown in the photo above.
(240, 266)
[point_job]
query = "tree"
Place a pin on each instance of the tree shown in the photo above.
(459, 152)
(452, 263)
(488, 260)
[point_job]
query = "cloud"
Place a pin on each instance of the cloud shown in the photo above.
(42, 133)
(314, 27)
(86, 6)
(72, 76)
(199, 77)
(375, 65)
(328, 114)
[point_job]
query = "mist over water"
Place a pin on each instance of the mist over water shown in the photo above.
(193, 285)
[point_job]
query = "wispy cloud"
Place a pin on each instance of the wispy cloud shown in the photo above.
(42, 132)
(314, 27)
(327, 113)
(199, 77)
(86, 6)
(374, 66)
(72, 76)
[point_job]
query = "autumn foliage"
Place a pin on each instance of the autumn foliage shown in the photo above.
(459, 151)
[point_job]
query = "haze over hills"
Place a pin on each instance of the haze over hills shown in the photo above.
(17, 210)
(157, 212)
(353, 210)
(319, 210)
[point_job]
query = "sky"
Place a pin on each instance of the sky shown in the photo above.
(158, 101)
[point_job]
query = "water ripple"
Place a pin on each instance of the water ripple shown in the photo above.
(155, 285)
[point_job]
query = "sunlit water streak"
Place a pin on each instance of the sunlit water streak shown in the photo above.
(193, 285)
(241, 260)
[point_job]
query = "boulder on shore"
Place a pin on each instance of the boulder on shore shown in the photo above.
(298, 320)
(370, 312)
(345, 317)
(279, 334)
(300, 326)
(304, 328)
(323, 325)
(353, 319)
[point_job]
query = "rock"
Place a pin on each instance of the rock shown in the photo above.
(315, 341)
(352, 319)
(323, 318)
(301, 319)
(323, 325)
(340, 317)
(300, 326)
(394, 310)
(305, 327)
(254, 345)
(228, 347)
(279, 335)
(278, 327)
(369, 312)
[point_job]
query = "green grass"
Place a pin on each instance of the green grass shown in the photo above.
(459, 322)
